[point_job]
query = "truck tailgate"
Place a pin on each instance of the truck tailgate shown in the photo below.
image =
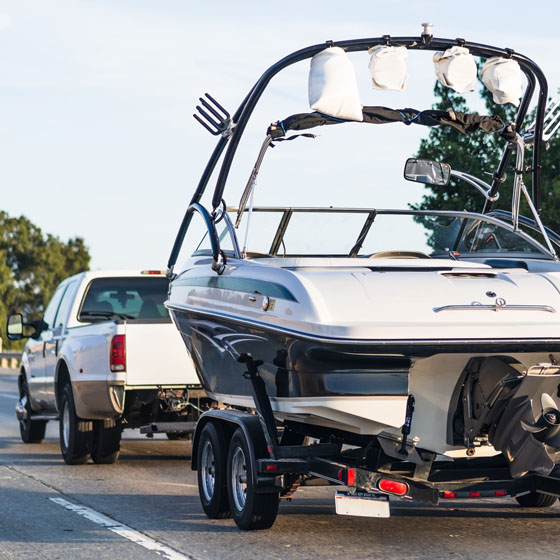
(156, 355)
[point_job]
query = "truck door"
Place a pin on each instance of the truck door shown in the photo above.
(37, 352)
(53, 343)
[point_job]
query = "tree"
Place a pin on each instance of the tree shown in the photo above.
(479, 155)
(32, 265)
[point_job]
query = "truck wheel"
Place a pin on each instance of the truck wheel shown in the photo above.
(106, 441)
(250, 510)
(535, 500)
(75, 434)
(212, 471)
(31, 431)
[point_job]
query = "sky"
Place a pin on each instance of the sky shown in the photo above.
(97, 138)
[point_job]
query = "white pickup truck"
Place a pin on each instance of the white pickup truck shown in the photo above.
(104, 357)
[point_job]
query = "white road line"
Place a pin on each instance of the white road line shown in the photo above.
(9, 396)
(121, 529)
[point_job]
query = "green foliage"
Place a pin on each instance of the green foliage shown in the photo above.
(477, 154)
(32, 264)
(550, 183)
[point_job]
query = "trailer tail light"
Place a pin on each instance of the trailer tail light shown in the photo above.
(153, 272)
(500, 493)
(271, 467)
(393, 487)
(449, 495)
(351, 477)
(117, 354)
(474, 495)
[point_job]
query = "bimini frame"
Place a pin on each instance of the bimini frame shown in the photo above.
(231, 136)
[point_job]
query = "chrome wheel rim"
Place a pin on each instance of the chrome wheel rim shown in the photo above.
(66, 425)
(208, 468)
(239, 478)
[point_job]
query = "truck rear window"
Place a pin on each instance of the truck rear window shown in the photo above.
(137, 299)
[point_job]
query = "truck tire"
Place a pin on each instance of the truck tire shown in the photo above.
(535, 500)
(212, 471)
(31, 431)
(106, 441)
(251, 510)
(76, 435)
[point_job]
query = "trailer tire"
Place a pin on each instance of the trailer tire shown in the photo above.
(31, 431)
(212, 471)
(106, 441)
(251, 510)
(76, 434)
(535, 500)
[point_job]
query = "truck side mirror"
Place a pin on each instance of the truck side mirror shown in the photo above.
(14, 326)
(38, 327)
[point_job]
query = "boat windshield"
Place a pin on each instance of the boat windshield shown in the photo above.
(332, 232)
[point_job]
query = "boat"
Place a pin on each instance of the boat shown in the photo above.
(431, 336)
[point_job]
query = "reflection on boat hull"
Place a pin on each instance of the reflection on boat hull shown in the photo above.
(292, 367)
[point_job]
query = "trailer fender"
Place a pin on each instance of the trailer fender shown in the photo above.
(250, 424)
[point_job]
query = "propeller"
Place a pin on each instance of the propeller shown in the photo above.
(547, 426)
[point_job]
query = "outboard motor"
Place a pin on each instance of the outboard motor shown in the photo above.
(514, 408)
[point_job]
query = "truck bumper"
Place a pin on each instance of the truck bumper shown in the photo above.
(97, 400)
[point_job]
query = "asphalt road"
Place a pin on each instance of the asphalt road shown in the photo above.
(146, 507)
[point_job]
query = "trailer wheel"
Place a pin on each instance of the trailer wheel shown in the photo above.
(535, 500)
(212, 471)
(75, 433)
(251, 510)
(106, 441)
(31, 431)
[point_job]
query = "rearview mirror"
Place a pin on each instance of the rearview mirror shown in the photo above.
(14, 326)
(427, 171)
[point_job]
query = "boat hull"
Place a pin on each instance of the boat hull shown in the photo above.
(359, 386)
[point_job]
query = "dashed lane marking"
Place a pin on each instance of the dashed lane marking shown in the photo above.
(121, 529)
(9, 396)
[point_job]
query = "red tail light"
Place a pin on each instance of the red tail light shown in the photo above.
(117, 355)
(392, 486)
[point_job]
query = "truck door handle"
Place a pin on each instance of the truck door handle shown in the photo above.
(44, 349)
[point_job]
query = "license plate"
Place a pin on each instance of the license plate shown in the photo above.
(362, 504)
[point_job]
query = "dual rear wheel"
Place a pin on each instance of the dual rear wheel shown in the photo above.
(81, 438)
(226, 480)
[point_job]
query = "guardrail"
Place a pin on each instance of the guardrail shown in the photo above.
(10, 359)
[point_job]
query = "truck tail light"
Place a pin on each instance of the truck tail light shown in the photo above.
(117, 354)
